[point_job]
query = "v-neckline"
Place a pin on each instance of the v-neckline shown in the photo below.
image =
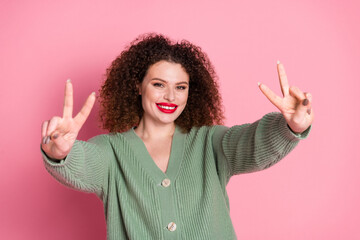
(143, 155)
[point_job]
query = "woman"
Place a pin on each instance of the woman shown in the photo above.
(162, 171)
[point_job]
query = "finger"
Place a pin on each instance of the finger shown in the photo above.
(298, 94)
(52, 125)
(44, 126)
(68, 100)
(274, 99)
(45, 140)
(85, 110)
(309, 97)
(284, 85)
(302, 107)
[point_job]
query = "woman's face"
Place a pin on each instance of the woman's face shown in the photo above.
(164, 91)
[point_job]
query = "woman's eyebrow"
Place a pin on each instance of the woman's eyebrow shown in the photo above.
(182, 83)
(162, 80)
(159, 79)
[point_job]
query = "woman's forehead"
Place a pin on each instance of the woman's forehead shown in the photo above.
(167, 71)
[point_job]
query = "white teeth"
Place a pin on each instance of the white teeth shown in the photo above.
(166, 107)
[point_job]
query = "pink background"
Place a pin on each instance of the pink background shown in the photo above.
(312, 194)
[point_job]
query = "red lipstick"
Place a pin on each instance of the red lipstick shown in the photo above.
(166, 107)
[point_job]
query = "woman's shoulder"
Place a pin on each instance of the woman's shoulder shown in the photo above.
(107, 137)
(214, 130)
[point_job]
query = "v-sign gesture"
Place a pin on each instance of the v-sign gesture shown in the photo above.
(295, 105)
(59, 134)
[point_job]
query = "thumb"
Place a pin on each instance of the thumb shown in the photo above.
(303, 104)
(59, 145)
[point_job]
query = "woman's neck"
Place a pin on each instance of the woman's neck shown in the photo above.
(149, 130)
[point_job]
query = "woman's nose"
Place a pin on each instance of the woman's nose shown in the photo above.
(170, 95)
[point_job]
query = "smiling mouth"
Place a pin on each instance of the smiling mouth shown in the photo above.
(166, 107)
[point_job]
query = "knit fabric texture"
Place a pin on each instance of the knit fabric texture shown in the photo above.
(189, 201)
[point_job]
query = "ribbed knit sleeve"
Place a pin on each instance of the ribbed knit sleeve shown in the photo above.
(257, 146)
(86, 166)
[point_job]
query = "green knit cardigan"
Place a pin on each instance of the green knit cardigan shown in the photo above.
(189, 201)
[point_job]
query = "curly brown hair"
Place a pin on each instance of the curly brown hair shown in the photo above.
(120, 101)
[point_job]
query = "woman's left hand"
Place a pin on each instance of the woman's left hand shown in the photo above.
(295, 105)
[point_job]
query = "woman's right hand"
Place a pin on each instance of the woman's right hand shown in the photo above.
(59, 134)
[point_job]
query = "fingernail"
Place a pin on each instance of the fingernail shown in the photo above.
(43, 140)
(259, 83)
(309, 111)
(47, 140)
(55, 136)
(305, 102)
(69, 80)
(93, 93)
(278, 62)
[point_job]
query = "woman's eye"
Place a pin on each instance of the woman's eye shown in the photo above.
(157, 85)
(181, 87)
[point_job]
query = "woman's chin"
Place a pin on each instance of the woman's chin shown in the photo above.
(161, 118)
(167, 121)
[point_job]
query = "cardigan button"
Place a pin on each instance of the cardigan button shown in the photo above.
(171, 226)
(165, 182)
